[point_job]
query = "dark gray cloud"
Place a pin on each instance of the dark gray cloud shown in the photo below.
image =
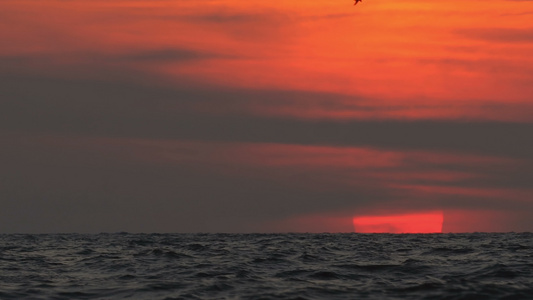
(54, 183)
(98, 108)
(21, 63)
(54, 180)
(164, 55)
(72, 186)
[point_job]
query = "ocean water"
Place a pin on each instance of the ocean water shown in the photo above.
(267, 266)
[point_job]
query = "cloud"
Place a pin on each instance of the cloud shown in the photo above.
(229, 16)
(483, 65)
(122, 109)
(501, 35)
(119, 181)
(164, 55)
(49, 183)
(31, 63)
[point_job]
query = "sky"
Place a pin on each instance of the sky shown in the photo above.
(266, 116)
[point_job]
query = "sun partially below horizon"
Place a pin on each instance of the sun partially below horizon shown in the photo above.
(426, 222)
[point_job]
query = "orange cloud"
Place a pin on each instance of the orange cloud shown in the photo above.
(431, 61)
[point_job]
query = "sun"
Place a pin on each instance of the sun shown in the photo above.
(426, 222)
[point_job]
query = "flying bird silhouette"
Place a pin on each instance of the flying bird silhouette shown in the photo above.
(357, 1)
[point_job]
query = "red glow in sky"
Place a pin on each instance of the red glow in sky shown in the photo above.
(427, 222)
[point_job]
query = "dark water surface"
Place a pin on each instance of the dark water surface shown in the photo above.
(267, 266)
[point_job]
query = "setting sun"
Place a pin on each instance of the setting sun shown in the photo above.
(428, 222)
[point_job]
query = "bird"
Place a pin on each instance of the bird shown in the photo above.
(357, 1)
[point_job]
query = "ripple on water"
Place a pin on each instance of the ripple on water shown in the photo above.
(266, 266)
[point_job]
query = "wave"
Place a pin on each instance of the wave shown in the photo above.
(266, 266)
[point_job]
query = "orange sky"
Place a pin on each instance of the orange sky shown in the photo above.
(409, 59)
(303, 62)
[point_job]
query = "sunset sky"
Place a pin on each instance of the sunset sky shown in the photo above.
(266, 116)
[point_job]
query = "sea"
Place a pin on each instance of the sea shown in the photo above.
(266, 266)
